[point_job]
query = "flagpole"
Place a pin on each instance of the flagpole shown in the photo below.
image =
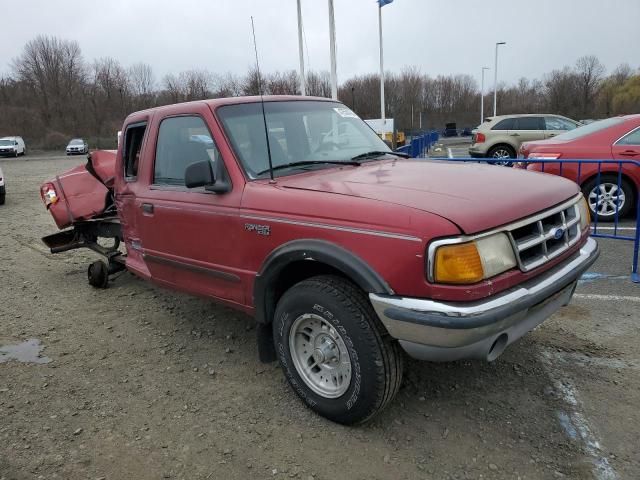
(303, 90)
(382, 109)
(332, 49)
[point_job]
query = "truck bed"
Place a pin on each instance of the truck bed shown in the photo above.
(83, 192)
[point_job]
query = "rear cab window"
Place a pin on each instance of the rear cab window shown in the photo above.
(182, 141)
(133, 137)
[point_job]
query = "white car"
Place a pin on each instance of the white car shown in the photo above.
(12, 146)
(2, 188)
(77, 145)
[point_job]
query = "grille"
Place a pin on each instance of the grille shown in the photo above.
(545, 236)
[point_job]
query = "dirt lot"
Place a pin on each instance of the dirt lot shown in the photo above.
(143, 383)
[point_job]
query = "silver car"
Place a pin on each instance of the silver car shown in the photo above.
(77, 146)
(500, 137)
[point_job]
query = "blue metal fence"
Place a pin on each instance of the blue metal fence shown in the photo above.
(419, 146)
(584, 172)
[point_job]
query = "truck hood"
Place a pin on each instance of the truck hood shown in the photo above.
(474, 196)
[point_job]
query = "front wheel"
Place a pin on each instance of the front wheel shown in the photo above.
(334, 350)
(604, 199)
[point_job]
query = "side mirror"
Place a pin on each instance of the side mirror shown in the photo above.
(200, 174)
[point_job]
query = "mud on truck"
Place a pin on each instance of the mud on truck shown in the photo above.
(349, 255)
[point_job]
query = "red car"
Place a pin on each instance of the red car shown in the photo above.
(295, 212)
(616, 138)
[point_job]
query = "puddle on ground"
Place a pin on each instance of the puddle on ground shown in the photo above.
(25, 352)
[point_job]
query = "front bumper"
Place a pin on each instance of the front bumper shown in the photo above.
(447, 331)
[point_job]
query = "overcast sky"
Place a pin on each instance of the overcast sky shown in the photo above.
(437, 36)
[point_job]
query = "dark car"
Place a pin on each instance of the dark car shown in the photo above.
(450, 130)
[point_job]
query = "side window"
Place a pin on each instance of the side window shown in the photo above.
(506, 124)
(555, 123)
(528, 123)
(182, 141)
(132, 146)
(632, 138)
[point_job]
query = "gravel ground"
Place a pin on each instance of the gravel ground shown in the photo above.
(143, 383)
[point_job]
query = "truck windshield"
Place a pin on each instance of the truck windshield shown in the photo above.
(6, 142)
(299, 131)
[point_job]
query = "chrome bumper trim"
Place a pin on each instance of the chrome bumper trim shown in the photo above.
(460, 324)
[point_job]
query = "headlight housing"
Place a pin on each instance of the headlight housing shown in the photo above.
(585, 213)
(473, 261)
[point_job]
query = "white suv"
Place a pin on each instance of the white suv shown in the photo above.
(12, 146)
(500, 137)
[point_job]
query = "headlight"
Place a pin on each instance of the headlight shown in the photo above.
(585, 213)
(473, 261)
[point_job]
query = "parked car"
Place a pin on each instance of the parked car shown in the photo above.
(450, 130)
(12, 146)
(615, 138)
(3, 188)
(500, 137)
(466, 132)
(77, 146)
(345, 252)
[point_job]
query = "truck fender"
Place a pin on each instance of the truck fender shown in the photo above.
(311, 250)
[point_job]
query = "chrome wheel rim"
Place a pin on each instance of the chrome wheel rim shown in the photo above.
(320, 355)
(603, 199)
(501, 153)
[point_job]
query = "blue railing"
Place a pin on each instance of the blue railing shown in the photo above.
(419, 146)
(590, 173)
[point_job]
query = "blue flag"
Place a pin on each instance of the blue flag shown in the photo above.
(382, 3)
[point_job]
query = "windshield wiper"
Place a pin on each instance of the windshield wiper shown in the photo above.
(379, 153)
(309, 162)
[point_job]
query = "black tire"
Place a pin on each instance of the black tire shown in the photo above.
(3, 194)
(607, 210)
(376, 358)
(496, 155)
(98, 274)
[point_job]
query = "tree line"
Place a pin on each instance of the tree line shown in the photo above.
(52, 93)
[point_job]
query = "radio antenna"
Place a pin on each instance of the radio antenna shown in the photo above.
(264, 116)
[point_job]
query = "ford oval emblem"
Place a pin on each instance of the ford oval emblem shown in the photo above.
(558, 233)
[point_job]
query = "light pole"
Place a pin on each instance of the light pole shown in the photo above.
(482, 96)
(303, 90)
(495, 81)
(332, 50)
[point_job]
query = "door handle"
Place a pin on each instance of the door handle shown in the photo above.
(630, 153)
(552, 134)
(147, 207)
(514, 134)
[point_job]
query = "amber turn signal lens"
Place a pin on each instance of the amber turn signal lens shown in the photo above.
(458, 263)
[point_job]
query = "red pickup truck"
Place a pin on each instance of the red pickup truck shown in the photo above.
(346, 253)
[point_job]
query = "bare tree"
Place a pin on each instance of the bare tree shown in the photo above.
(589, 73)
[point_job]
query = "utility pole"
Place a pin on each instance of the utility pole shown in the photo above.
(382, 109)
(303, 86)
(482, 96)
(332, 50)
(495, 81)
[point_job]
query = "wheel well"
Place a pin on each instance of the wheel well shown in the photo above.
(506, 145)
(291, 274)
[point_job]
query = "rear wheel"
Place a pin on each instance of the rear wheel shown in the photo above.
(98, 274)
(334, 350)
(2, 195)
(605, 198)
(501, 155)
